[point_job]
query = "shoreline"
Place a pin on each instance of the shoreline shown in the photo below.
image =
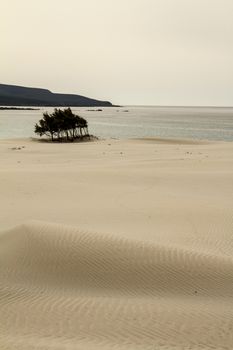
(145, 139)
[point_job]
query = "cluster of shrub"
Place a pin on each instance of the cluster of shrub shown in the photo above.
(62, 125)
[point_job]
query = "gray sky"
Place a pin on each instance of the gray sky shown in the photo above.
(166, 52)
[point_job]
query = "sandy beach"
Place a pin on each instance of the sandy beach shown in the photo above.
(116, 244)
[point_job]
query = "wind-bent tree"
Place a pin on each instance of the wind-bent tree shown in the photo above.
(62, 124)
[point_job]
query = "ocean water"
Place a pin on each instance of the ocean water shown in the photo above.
(207, 123)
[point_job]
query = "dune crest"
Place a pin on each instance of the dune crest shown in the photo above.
(64, 288)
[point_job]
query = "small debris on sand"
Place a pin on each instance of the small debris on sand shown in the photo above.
(15, 148)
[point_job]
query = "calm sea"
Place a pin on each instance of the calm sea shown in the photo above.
(174, 122)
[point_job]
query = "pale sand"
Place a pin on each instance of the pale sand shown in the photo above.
(116, 245)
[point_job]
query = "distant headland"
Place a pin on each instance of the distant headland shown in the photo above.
(12, 95)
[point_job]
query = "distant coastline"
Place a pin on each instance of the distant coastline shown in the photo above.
(12, 95)
(18, 109)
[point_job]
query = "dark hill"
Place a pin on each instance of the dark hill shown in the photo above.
(12, 95)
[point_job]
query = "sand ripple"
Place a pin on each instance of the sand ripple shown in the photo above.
(66, 289)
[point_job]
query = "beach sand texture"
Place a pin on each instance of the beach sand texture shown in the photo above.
(116, 245)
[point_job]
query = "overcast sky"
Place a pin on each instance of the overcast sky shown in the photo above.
(158, 52)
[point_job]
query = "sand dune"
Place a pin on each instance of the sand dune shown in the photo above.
(116, 245)
(61, 287)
